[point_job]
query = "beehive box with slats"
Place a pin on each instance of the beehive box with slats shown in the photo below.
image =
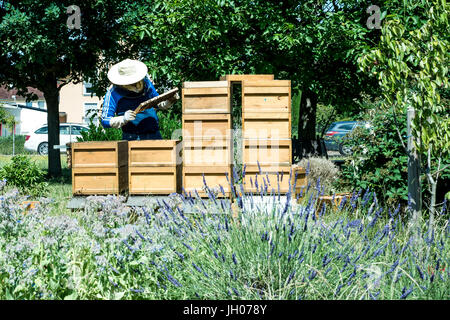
(267, 151)
(201, 126)
(217, 178)
(154, 166)
(212, 151)
(242, 77)
(206, 97)
(99, 167)
(266, 109)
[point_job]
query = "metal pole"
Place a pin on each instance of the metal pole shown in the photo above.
(414, 191)
(14, 129)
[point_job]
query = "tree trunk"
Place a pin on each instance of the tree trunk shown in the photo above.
(307, 124)
(51, 95)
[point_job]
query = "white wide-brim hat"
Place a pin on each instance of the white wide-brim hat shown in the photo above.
(127, 72)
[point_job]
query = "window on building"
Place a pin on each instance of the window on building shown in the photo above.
(29, 104)
(90, 112)
(87, 89)
(41, 104)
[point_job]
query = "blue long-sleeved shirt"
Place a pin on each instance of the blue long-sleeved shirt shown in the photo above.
(118, 100)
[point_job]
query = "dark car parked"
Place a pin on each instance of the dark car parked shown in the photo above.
(337, 133)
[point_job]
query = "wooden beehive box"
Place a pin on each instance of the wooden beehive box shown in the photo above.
(275, 178)
(206, 97)
(266, 96)
(266, 125)
(206, 125)
(215, 176)
(100, 154)
(155, 180)
(99, 180)
(154, 166)
(154, 153)
(99, 167)
(267, 151)
(213, 151)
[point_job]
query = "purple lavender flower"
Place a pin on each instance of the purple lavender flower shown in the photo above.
(291, 276)
(187, 246)
(197, 267)
(234, 259)
(406, 293)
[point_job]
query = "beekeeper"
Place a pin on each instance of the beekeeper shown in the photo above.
(131, 87)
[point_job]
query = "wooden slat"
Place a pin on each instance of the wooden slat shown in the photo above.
(153, 180)
(207, 152)
(266, 115)
(206, 100)
(153, 152)
(267, 90)
(205, 91)
(214, 176)
(242, 77)
(99, 154)
(267, 151)
(266, 129)
(205, 84)
(267, 83)
(206, 125)
(99, 181)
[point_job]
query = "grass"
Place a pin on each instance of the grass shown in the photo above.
(59, 189)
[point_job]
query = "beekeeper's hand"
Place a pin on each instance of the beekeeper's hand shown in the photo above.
(120, 121)
(129, 115)
(166, 105)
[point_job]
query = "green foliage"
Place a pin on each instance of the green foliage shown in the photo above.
(6, 117)
(98, 133)
(411, 63)
(378, 160)
(25, 175)
(6, 145)
(169, 122)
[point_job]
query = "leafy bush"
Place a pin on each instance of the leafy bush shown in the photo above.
(321, 172)
(169, 121)
(378, 160)
(98, 133)
(6, 145)
(24, 174)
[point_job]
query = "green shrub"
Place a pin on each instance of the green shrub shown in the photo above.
(169, 121)
(378, 160)
(25, 175)
(98, 133)
(323, 169)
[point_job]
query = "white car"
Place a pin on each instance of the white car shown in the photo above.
(68, 132)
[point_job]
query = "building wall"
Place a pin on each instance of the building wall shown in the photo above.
(73, 101)
(31, 120)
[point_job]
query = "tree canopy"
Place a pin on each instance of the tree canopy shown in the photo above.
(41, 49)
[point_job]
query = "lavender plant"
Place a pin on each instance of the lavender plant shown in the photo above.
(269, 248)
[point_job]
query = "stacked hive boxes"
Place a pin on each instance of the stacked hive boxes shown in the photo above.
(153, 167)
(99, 168)
(207, 147)
(266, 129)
